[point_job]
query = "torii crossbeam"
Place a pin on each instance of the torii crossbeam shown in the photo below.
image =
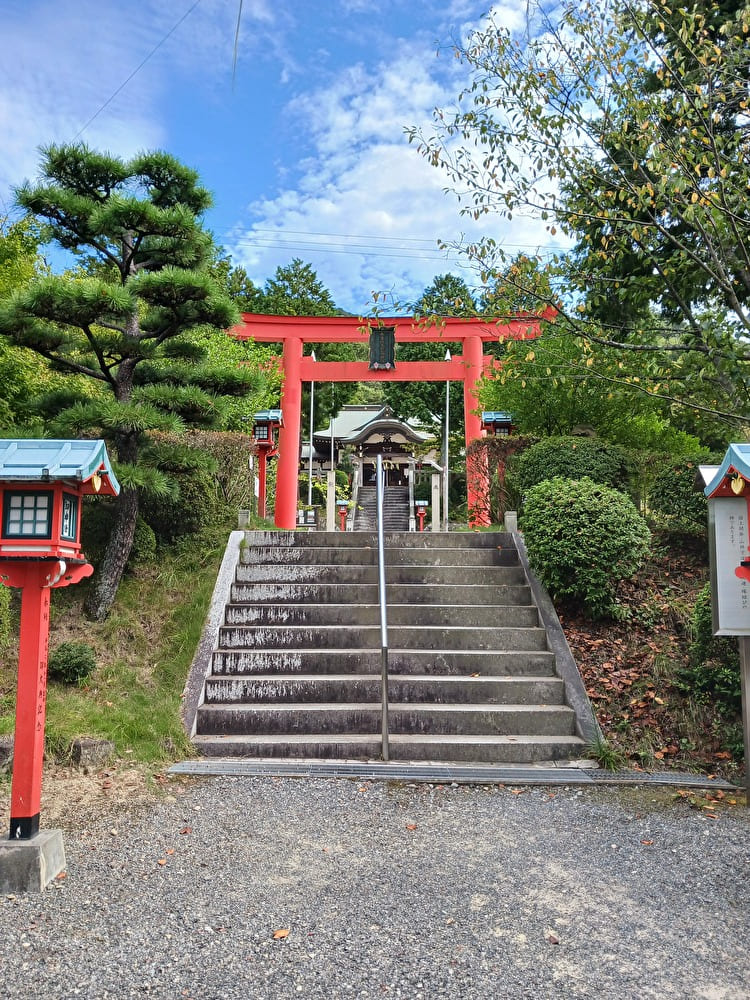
(296, 331)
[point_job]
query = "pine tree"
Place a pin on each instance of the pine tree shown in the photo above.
(130, 320)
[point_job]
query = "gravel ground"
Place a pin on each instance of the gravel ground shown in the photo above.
(390, 890)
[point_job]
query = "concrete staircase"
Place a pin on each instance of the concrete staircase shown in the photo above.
(395, 509)
(473, 677)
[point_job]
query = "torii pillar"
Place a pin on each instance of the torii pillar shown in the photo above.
(287, 472)
(476, 471)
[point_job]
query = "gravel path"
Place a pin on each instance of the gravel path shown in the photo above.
(391, 890)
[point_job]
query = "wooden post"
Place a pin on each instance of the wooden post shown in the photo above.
(35, 579)
(31, 705)
(477, 476)
(262, 465)
(287, 474)
(744, 642)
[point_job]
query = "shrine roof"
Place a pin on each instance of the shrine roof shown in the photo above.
(41, 461)
(736, 460)
(353, 423)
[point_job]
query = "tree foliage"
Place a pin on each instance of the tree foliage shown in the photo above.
(131, 323)
(22, 374)
(562, 384)
(296, 290)
(448, 295)
(625, 126)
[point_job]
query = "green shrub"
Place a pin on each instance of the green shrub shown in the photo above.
(96, 523)
(71, 663)
(196, 506)
(714, 669)
(573, 458)
(230, 452)
(583, 538)
(673, 498)
(144, 543)
(6, 621)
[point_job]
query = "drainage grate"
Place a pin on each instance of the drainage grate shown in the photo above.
(441, 774)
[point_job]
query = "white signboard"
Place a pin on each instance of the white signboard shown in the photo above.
(729, 537)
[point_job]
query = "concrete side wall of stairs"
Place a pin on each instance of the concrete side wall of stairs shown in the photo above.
(477, 668)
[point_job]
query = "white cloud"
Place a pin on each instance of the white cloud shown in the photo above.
(363, 179)
(342, 162)
(64, 61)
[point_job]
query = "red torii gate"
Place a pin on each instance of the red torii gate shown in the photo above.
(296, 331)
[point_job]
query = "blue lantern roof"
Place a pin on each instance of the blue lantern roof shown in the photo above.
(74, 462)
(496, 417)
(737, 459)
(268, 417)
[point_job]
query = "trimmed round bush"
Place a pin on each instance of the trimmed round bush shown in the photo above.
(573, 458)
(71, 663)
(583, 538)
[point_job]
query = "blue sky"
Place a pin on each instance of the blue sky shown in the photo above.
(305, 155)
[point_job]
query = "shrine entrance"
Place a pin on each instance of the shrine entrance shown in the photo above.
(296, 331)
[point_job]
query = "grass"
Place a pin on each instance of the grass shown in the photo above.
(143, 649)
(605, 754)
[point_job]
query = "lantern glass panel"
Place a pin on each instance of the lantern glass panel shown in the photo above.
(27, 515)
(69, 517)
(261, 432)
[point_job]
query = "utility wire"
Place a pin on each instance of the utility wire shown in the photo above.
(138, 68)
(236, 44)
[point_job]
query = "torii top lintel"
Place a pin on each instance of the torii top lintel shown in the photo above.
(352, 329)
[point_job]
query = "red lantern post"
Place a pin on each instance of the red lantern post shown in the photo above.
(41, 488)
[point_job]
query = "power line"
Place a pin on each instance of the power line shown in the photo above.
(369, 247)
(136, 70)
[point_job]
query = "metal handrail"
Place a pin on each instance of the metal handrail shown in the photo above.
(379, 493)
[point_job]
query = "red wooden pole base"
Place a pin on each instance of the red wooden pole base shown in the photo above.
(31, 706)
(262, 465)
(35, 579)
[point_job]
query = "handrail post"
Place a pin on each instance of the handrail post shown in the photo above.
(379, 491)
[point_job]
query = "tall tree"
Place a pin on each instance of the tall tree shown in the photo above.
(19, 369)
(130, 328)
(296, 290)
(564, 121)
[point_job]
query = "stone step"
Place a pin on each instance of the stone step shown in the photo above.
(368, 556)
(494, 663)
(403, 718)
(368, 746)
(401, 688)
(399, 637)
(425, 576)
(414, 539)
(297, 671)
(367, 593)
(352, 615)
(475, 749)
